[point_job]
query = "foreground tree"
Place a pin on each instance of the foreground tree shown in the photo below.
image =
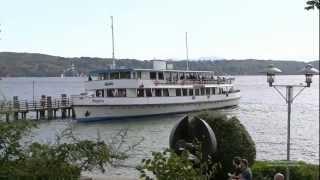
(66, 158)
(311, 4)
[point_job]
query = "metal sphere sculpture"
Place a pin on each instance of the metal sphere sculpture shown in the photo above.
(188, 131)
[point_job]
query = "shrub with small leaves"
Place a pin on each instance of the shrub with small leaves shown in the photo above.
(233, 140)
(66, 158)
(168, 165)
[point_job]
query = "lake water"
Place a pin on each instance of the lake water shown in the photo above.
(261, 110)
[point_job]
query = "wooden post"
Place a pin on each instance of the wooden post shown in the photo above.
(68, 112)
(15, 108)
(37, 114)
(24, 115)
(54, 113)
(49, 107)
(27, 110)
(63, 105)
(7, 117)
(43, 106)
(73, 113)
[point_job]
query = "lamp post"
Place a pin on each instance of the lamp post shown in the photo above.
(271, 71)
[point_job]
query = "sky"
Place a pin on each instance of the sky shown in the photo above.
(155, 29)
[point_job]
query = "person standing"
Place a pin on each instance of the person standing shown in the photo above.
(246, 173)
(278, 176)
(237, 168)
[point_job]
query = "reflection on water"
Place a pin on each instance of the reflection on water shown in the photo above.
(261, 110)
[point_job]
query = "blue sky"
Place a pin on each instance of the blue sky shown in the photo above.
(148, 29)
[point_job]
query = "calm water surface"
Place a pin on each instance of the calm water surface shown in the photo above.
(261, 110)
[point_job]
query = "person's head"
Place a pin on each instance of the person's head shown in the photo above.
(278, 176)
(244, 163)
(236, 161)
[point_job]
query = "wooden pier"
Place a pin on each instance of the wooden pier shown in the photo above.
(45, 108)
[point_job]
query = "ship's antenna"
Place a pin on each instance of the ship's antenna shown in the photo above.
(113, 58)
(187, 53)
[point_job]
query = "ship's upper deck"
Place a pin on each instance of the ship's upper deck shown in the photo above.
(161, 75)
(151, 74)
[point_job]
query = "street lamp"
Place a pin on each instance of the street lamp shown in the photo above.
(309, 71)
(271, 71)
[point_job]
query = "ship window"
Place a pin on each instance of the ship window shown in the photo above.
(158, 92)
(202, 91)
(114, 75)
(122, 93)
(124, 75)
(197, 92)
(100, 77)
(153, 75)
(165, 92)
(187, 75)
(185, 92)
(105, 76)
(181, 76)
(110, 92)
(178, 92)
(190, 92)
(168, 76)
(213, 90)
(148, 92)
(134, 75)
(174, 76)
(99, 93)
(207, 91)
(160, 76)
(139, 75)
(140, 93)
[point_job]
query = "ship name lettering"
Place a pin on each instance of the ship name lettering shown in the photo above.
(108, 83)
(97, 100)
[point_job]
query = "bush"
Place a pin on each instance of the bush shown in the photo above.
(168, 165)
(63, 159)
(265, 170)
(233, 140)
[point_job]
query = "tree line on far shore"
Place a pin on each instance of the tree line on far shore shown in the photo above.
(41, 65)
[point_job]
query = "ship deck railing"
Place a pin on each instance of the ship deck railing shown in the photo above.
(196, 82)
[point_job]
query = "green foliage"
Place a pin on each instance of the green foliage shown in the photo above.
(265, 170)
(311, 4)
(168, 165)
(64, 159)
(10, 136)
(233, 140)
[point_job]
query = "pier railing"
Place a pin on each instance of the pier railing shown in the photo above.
(45, 107)
(27, 105)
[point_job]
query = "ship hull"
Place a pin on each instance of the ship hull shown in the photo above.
(92, 112)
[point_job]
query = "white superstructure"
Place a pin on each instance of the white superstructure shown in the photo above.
(121, 93)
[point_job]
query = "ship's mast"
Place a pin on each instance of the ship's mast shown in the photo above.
(113, 58)
(187, 53)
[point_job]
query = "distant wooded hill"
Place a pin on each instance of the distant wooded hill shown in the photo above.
(30, 64)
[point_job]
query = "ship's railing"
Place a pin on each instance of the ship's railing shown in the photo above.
(195, 82)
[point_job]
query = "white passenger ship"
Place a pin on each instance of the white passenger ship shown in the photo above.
(124, 93)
